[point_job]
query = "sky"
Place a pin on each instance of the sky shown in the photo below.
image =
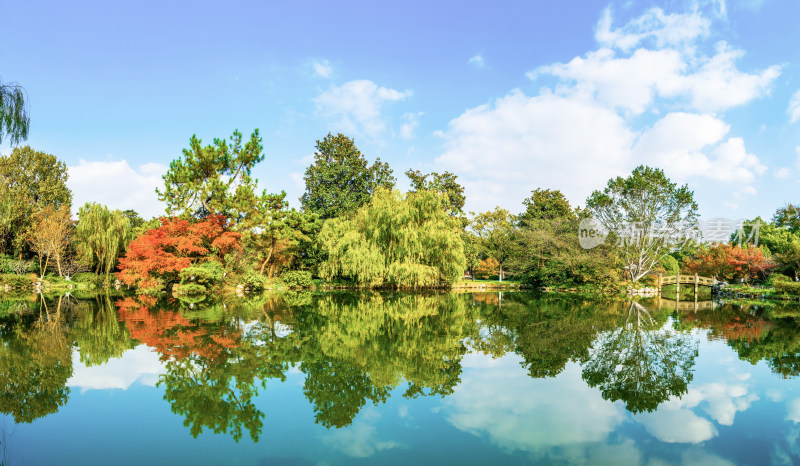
(509, 96)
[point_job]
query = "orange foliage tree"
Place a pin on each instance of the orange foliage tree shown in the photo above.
(157, 256)
(487, 268)
(729, 262)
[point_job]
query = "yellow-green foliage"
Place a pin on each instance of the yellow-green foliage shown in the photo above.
(395, 239)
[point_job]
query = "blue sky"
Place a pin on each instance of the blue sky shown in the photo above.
(560, 95)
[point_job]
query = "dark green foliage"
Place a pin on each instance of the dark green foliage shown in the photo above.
(546, 251)
(254, 281)
(189, 289)
(214, 179)
(444, 183)
(545, 204)
(340, 181)
(14, 120)
(207, 274)
(301, 278)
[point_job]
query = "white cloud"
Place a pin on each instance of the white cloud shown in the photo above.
(587, 126)
(677, 426)
(355, 106)
(793, 410)
(117, 185)
(410, 124)
(519, 143)
(360, 440)
(477, 61)
(531, 414)
(794, 107)
(679, 143)
(139, 364)
(722, 400)
(663, 29)
(322, 68)
(626, 83)
(718, 85)
(783, 173)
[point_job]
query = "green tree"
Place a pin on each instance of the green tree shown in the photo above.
(215, 180)
(395, 239)
(442, 182)
(14, 120)
(546, 204)
(101, 236)
(495, 228)
(640, 363)
(29, 181)
(788, 217)
(340, 181)
(648, 213)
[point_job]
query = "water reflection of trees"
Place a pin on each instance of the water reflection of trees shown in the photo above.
(359, 348)
(757, 332)
(352, 348)
(35, 361)
(641, 362)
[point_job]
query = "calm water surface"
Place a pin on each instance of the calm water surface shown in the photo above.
(396, 379)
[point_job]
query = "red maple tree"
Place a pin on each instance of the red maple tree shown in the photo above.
(172, 334)
(160, 254)
(729, 262)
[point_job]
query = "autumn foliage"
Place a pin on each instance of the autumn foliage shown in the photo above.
(172, 334)
(729, 263)
(160, 254)
(487, 268)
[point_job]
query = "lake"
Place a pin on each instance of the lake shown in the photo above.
(393, 378)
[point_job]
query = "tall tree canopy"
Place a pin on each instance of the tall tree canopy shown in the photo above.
(395, 240)
(546, 204)
(29, 181)
(648, 213)
(788, 217)
(445, 183)
(340, 181)
(495, 228)
(214, 180)
(14, 120)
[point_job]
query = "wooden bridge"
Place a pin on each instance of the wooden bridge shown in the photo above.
(691, 280)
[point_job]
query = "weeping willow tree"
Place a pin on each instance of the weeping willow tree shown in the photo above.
(395, 239)
(101, 235)
(14, 120)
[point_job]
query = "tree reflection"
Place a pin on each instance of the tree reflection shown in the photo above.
(547, 332)
(213, 362)
(35, 363)
(100, 336)
(360, 347)
(640, 362)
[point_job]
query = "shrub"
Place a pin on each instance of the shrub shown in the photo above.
(669, 264)
(789, 288)
(776, 278)
(16, 281)
(300, 278)
(189, 289)
(254, 280)
(207, 273)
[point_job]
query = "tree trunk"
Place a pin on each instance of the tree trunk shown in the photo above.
(269, 256)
